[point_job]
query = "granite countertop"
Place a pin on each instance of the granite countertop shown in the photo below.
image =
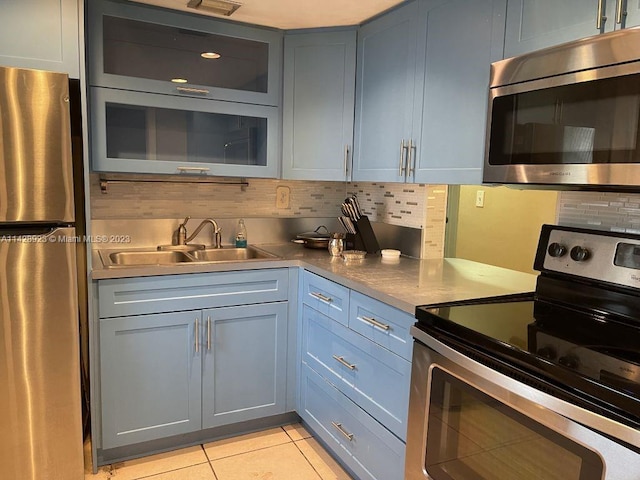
(404, 284)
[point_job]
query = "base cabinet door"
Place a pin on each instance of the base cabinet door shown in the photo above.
(150, 377)
(244, 367)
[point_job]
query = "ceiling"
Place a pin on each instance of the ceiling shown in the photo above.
(292, 14)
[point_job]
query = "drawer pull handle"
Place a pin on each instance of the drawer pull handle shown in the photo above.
(347, 435)
(322, 297)
(201, 91)
(350, 366)
(193, 169)
(374, 322)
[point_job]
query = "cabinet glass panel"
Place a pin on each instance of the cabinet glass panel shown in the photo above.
(164, 134)
(158, 52)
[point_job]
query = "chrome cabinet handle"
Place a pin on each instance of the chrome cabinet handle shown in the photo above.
(374, 322)
(341, 360)
(193, 169)
(197, 334)
(202, 91)
(346, 161)
(322, 297)
(340, 428)
(619, 12)
(411, 163)
(208, 333)
(600, 17)
(402, 167)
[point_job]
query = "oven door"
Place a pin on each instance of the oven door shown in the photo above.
(469, 422)
(576, 129)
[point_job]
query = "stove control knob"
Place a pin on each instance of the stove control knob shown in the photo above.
(580, 254)
(557, 249)
(547, 352)
(569, 361)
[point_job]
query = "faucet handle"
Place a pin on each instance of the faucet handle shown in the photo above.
(182, 232)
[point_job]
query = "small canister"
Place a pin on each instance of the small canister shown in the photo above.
(336, 244)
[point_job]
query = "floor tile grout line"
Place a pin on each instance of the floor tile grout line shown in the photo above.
(166, 471)
(213, 470)
(249, 451)
(308, 461)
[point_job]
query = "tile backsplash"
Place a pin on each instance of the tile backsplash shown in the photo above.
(174, 200)
(417, 206)
(618, 212)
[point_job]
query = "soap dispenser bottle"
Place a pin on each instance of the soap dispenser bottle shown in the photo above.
(241, 235)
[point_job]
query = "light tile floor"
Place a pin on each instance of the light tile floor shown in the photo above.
(283, 453)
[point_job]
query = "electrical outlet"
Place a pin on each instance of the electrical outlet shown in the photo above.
(480, 198)
(282, 197)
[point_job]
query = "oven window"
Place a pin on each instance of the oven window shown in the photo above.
(582, 123)
(472, 436)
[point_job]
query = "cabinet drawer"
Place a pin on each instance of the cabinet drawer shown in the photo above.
(369, 374)
(168, 293)
(385, 325)
(326, 297)
(365, 446)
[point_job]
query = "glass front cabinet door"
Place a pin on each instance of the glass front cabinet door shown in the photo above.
(137, 47)
(151, 133)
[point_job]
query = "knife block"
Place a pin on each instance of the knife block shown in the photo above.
(364, 239)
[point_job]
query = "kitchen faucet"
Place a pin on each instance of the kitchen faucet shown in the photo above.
(183, 239)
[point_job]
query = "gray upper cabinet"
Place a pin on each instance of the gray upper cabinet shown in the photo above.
(147, 49)
(176, 93)
(421, 92)
(150, 133)
(318, 105)
(463, 38)
(40, 34)
(385, 82)
(536, 24)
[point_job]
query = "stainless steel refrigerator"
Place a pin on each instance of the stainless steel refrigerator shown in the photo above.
(40, 400)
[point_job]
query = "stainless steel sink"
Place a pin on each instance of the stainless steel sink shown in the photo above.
(143, 257)
(149, 257)
(230, 254)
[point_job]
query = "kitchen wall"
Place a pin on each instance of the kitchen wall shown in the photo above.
(618, 212)
(416, 206)
(505, 231)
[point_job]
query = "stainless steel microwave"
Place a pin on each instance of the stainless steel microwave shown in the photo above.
(567, 115)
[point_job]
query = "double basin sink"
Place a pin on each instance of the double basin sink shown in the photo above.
(181, 255)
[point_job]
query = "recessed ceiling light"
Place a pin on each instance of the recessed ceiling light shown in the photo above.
(179, 80)
(210, 55)
(220, 7)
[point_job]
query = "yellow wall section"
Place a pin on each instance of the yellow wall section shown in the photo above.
(505, 231)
